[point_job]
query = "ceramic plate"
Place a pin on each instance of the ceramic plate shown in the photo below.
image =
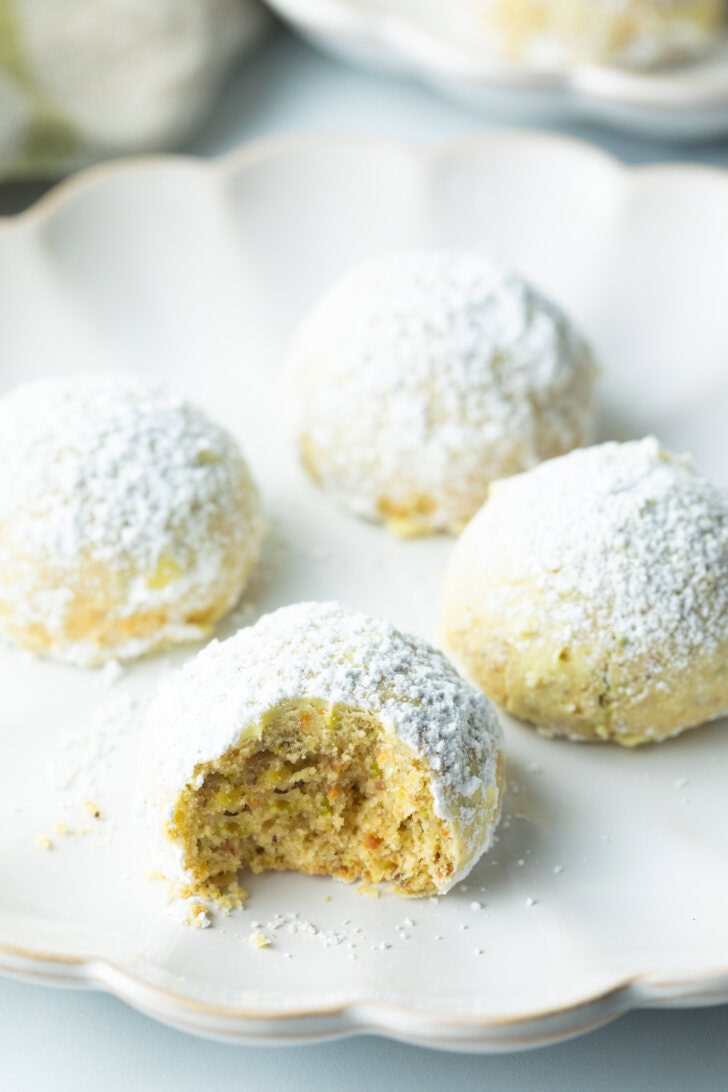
(426, 39)
(607, 888)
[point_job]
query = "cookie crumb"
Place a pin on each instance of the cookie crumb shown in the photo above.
(233, 898)
(198, 917)
(225, 898)
(259, 940)
(368, 890)
(42, 841)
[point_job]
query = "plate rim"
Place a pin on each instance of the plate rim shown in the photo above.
(416, 1025)
(251, 152)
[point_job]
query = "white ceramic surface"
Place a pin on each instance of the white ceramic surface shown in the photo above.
(427, 39)
(607, 888)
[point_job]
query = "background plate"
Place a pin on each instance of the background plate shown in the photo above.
(681, 102)
(607, 888)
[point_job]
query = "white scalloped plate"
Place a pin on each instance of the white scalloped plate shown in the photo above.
(427, 38)
(608, 887)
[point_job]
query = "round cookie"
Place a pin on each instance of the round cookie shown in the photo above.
(324, 741)
(128, 519)
(632, 33)
(421, 377)
(590, 595)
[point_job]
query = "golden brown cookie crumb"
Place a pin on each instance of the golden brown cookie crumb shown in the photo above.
(198, 917)
(368, 890)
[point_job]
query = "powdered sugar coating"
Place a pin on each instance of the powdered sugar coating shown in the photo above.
(328, 652)
(626, 540)
(420, 377)
(616, 557)
(117, 499)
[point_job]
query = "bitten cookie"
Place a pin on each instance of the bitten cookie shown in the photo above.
(128, 519)
(324, 741)
(420, 377)
(590, 595)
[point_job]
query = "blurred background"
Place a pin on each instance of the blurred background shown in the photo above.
(89, 80)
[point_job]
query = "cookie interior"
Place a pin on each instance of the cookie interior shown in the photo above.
(317, 789)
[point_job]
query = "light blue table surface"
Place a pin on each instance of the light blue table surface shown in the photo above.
(75, 1040)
